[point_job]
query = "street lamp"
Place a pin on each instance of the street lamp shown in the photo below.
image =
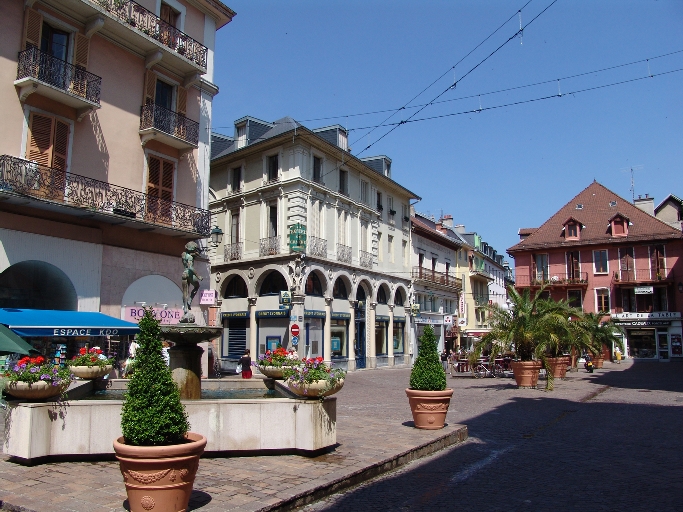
(216, 236)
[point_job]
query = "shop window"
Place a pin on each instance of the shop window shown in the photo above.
(398, 338)
(236, 288)
(398, 298)
(381, 295)
(339, 342)
(339, 289)
(602, 300)
(380, 338)
(574, 298)
(273, 284)
(313, 285)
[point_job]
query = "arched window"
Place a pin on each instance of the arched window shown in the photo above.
(360, 294)
(236, 288)
(273, 284)
(313, 286)
(398, 299)
(339, 289)
(381, 296)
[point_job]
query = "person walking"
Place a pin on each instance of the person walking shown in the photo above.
(617, 353)
(444, 360)
(245, 363)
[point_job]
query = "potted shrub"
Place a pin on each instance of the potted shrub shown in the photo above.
(600, 333)
(272, 363)
(313, 378)
(428, 396)
(157, 455)
(90, 364)
(32, 378)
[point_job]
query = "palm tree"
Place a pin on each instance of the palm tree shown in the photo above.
(599, 333)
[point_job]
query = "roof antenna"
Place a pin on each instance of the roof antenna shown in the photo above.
(633, 183)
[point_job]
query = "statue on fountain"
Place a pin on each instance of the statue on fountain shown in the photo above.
(189, 278)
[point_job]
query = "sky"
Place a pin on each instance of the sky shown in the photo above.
(499, 169)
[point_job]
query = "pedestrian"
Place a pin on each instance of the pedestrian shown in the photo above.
(444, 360)
(617, 353)
(245, 363)
(165, 354)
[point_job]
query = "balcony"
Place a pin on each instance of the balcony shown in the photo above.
(365, 259)
(644, 275)
(480, 272)
(316, 247)
(577, 279)
(56, 79)
(269, 246)
(344, 253)
(133, 27)
(428, 276)
(46, 188)
(232, 252)
(171, 128)
(481, 301)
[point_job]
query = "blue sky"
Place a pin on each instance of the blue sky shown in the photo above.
(497, 170)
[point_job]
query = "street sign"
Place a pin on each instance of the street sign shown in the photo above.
(448, 320)
(295, 341)
(285, 297)
(295, 329)
(297, 238)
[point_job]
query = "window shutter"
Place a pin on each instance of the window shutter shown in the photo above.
(160, 188)
(33, 27)
(81, 51)
(60, 146)
(181, 101)
(150, 87)
(154, 177)
(40, 139)
(167, 180)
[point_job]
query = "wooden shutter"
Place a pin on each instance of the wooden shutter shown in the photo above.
(39, 147)
(33, 27)
(81, 51)
(533, 268)
(150, 87)
(160, 188)
(181, 101)
(60, 145)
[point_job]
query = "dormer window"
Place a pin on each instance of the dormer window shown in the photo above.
(572, 229)
(619, 225)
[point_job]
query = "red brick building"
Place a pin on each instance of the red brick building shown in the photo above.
(602, 253)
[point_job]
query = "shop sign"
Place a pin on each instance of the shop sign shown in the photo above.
(399, 319)
(644, 290)
(448, 320)
(430, 321)
(341, 316)
(208, 297)
(381, 318)
(235, 314)
(273, 313)
(297, 238)
(285, 297)
(336, 344)
(647, 316)
(415, 309)
(310, 313)
(461, 305)
(169, 316)
(644, 322)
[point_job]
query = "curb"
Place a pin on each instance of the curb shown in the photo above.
(362, 475)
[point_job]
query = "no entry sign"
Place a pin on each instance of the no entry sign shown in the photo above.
(295, 330)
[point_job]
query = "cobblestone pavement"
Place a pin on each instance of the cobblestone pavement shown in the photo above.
(603, 441)
(373, 426)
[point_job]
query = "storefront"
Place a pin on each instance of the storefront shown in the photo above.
(399, 339)
(381, 335)
(272, 330)
(651, 336)
(314, 325)
(235, 334)
(339, 329)
(437, 324)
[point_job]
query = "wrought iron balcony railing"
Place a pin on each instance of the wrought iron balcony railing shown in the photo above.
(344, 253)
(269, 246)
(643, 275)
(481, 300)
(479, 271)
(232, 252)
(316, 247)
(432, 276)
(552, 279)
(365, 259)
(27, 178)
(58, 73)
(150, 24)
(169, 122)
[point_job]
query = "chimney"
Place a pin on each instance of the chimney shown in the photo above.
(647, 204)
(447, 221)
(439, 227)
(460, 228)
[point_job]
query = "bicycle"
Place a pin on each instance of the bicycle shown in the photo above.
(480, 371)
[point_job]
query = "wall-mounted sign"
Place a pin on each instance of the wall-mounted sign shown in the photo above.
(167, 316)
(644, 290)
(415, 309)
(295, 330)
(285, 297)
(448, 320)
(336, 344)
(208, 297)
(461, 304)
(647, 316)
(297, 238)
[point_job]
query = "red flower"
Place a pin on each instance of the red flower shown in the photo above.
(24, 360)
(83, 351)
(93, 359)
(99, 351)
(40, 360)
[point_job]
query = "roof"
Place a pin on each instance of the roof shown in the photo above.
(526, 231)
(596, 213)
(434, 234)
(47, 322)
(671, 197)
(284, 125)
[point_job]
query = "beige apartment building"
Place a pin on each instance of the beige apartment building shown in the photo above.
(104, 150)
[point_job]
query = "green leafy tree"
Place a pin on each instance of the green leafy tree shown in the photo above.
(600, 333)
(428, 373)
(152, 413)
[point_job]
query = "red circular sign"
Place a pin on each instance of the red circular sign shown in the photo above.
(295, 330)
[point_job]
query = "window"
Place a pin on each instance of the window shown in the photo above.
(164, 95)
(390, 248)
(627, 271)
(313, 285)
(160, 186)
(618, 227)
(405, 218)
(404, 251)
(316, 224)
(272, 220)
(398, 299)
(574, 298)
(169, 15)
(54, 42)
(434, 260)
(236, 184)
(364, 228)
(660, 299)
(380, 254)
(572, 230)
(48, 141)
(343, 182)
(339, 290)
(364, 192)
(381, 295)
(273, 167)
(273, 284)
(236, 288)
(628, 300)
(657, 262)
(573, 265)
(234, 226)
(540, 267)
(380, 207)
(448, 269)
(341, 227)
(390, 204)
(602, 296)
(317, 169)
(241, 136)
(600, 261)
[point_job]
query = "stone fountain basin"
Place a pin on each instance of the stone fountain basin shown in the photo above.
(85, 429)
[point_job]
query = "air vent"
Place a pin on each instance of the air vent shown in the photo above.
(579, 206)
(612, 203)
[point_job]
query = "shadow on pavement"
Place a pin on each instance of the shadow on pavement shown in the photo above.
(644, 375)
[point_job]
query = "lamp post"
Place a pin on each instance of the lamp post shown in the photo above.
(216, 236)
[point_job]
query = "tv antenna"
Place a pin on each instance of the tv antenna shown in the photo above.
(633, 169)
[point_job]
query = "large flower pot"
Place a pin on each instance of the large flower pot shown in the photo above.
(34, 391)
(273, 372)
(429, 408)
(526, 373)
(90, 372)
(558, 366)
(315, 389)
(598, 361)
(159, 478)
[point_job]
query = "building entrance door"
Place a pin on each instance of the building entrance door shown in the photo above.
(359, 344)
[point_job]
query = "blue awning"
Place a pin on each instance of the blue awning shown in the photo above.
(47, 322)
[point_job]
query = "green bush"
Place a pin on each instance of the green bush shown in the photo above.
(152, 413)
(427, 373)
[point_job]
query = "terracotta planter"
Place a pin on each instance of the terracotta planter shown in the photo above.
(429, 408)
(598, 361)
(315, 389)
(36, 391)
(526, 373)
(558, 366)
(90, 372)
(159, 478)
(273, 372)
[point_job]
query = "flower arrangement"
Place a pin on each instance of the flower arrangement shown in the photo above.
(92, 357)
(278, 358)
(314, 370)
(35, 369)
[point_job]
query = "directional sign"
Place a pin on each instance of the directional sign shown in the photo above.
(295, 329)
(295, 341)
(297, 238)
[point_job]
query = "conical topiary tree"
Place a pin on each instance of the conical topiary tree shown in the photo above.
(427, 373)
(152, 413)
